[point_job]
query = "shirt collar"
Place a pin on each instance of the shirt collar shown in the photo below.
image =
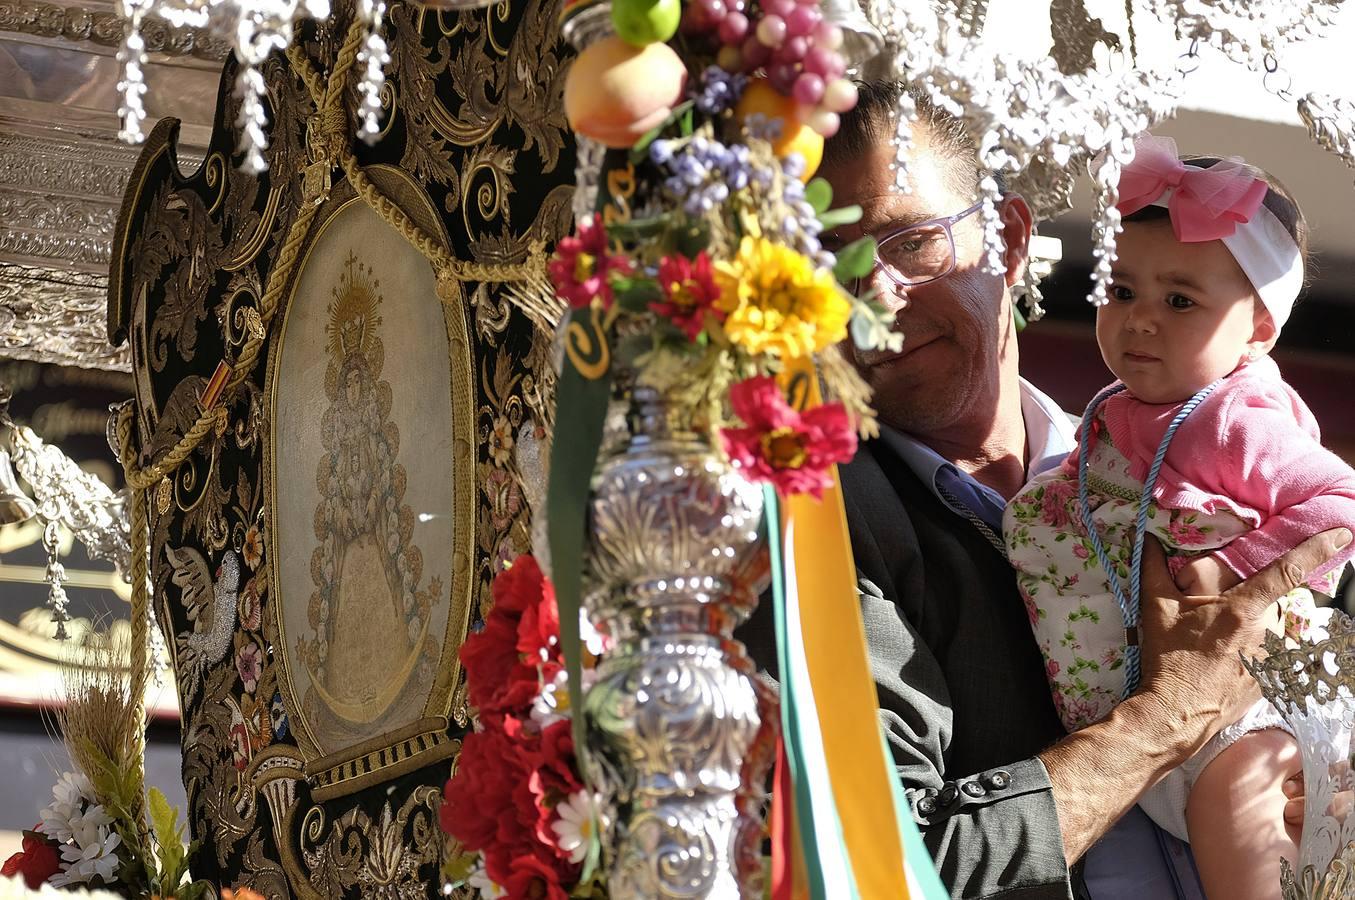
(1049, 436)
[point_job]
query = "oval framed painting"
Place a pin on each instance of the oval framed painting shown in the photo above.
(370, 492)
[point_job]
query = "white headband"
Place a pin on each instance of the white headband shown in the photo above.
(1268, 257)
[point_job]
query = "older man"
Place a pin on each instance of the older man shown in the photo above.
(1006, 801)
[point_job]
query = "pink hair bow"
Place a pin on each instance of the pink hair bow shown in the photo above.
(1205, 204)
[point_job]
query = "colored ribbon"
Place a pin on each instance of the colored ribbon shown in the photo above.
(1204, 204)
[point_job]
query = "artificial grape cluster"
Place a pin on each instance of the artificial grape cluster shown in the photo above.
(787, 40)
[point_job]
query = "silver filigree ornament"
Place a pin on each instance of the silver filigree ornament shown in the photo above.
(67, 497)
(1030, 113)
(1312, 685)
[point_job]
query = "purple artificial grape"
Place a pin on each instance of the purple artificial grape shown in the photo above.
(778, 8)
(808, 90)
(828, 36)
(782, 76)
(771, 30)
(713, 11)
(818, 60)
(803, 20)
(839, 96)
(792, 50)
(755, 53)
(733, 29)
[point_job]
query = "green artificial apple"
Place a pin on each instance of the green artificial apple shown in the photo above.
(643, 22)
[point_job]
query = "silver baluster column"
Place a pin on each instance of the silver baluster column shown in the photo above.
(680, 730)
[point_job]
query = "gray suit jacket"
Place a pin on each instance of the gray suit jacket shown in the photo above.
(962, 692)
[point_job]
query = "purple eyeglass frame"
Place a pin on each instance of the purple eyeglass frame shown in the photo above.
(946, 223)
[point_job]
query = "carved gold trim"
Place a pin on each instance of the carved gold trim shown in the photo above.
(425, 740)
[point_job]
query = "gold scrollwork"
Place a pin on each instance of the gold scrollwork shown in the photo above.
(502, 10)
(621, 185)
(389, 101)
(586, 345)
(215, 176)
(256, 242)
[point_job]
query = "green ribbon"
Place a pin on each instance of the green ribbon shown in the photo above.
(790, 720)
(580, 411)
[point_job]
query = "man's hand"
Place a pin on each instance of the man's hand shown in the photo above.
(1191, 645)
(1193, 685)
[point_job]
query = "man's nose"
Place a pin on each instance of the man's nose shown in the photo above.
(887, 290)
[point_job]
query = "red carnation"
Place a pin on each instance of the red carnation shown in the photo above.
(532, 878)
(36, 862)
(582, 267)
(505, 665)
(487, 805)
(689, 292)
(792, 450)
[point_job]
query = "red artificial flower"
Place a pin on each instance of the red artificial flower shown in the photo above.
(583, 266)
(792, 450)
(36, 862)
(487, 805)
(505, 663)
(532, 879)
(689, 292)
(553, 779)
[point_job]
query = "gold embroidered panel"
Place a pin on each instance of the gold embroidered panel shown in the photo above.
(320, 556)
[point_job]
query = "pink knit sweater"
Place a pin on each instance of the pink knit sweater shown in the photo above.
(1251, 448)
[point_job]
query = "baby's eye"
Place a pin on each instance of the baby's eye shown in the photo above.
(1120, 292)
(1176, 301)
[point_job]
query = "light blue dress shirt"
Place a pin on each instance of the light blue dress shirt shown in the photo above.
(1135, 860)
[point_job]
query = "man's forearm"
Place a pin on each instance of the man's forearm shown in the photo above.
(1099, 772)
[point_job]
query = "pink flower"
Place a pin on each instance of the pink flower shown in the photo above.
(241, 751)
(689, 292)
(1032, 611)
(792, 450)
(1080, 550)
(1054, 502)
(582, 267)
(1051, 668)
(1185, 534)
(249, 663)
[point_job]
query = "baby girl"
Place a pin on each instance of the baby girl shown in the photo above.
(1202, 445)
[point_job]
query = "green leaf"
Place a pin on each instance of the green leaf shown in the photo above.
(690, 239)
(639, 229)
(641, 148)
(1019, 319)
(169, 841)
(855, 260)
(193, 891)
(819, 194)
(846, 215)
(581, 400)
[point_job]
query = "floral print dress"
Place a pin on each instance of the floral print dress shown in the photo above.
(1072, 609)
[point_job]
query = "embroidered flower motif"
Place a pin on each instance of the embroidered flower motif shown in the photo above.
(575, 828)
(792, 450)
(583, 266)
(689, 292)
(504, 496)
(249, 663)
(1080, 549)
(252, 549)
(1055, 502)
(241, 750)
(501, 441)
(779, 302)
(1051, 668)
(249, 606)
(277, 717)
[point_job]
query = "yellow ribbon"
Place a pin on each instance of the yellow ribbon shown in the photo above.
(839, 671)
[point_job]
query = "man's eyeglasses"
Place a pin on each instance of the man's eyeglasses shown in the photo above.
(917, 254)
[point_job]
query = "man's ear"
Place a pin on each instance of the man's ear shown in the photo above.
(1017, 221)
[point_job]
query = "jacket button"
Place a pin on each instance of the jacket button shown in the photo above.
(999, 779)
(926, 806)
(973, 789)
(949, 793)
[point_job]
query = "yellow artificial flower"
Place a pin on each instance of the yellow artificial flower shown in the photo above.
(778, 302)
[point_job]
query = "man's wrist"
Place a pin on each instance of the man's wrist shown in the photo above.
(1165, 737)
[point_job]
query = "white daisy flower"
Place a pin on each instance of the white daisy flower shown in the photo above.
(71, 793)
(489, 889)
(593, 640)
(91, 851)
(576, 826)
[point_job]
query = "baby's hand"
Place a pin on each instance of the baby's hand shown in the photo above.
(1206, 577)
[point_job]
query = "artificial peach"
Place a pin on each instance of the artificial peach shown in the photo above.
(760, 98)
(615, 92)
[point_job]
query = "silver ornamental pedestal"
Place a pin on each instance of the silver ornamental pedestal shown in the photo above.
(680, 730)
(1312, 684)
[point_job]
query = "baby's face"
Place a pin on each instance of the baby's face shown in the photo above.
(1180, 315)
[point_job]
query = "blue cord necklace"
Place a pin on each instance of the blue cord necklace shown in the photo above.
(1128, 601)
